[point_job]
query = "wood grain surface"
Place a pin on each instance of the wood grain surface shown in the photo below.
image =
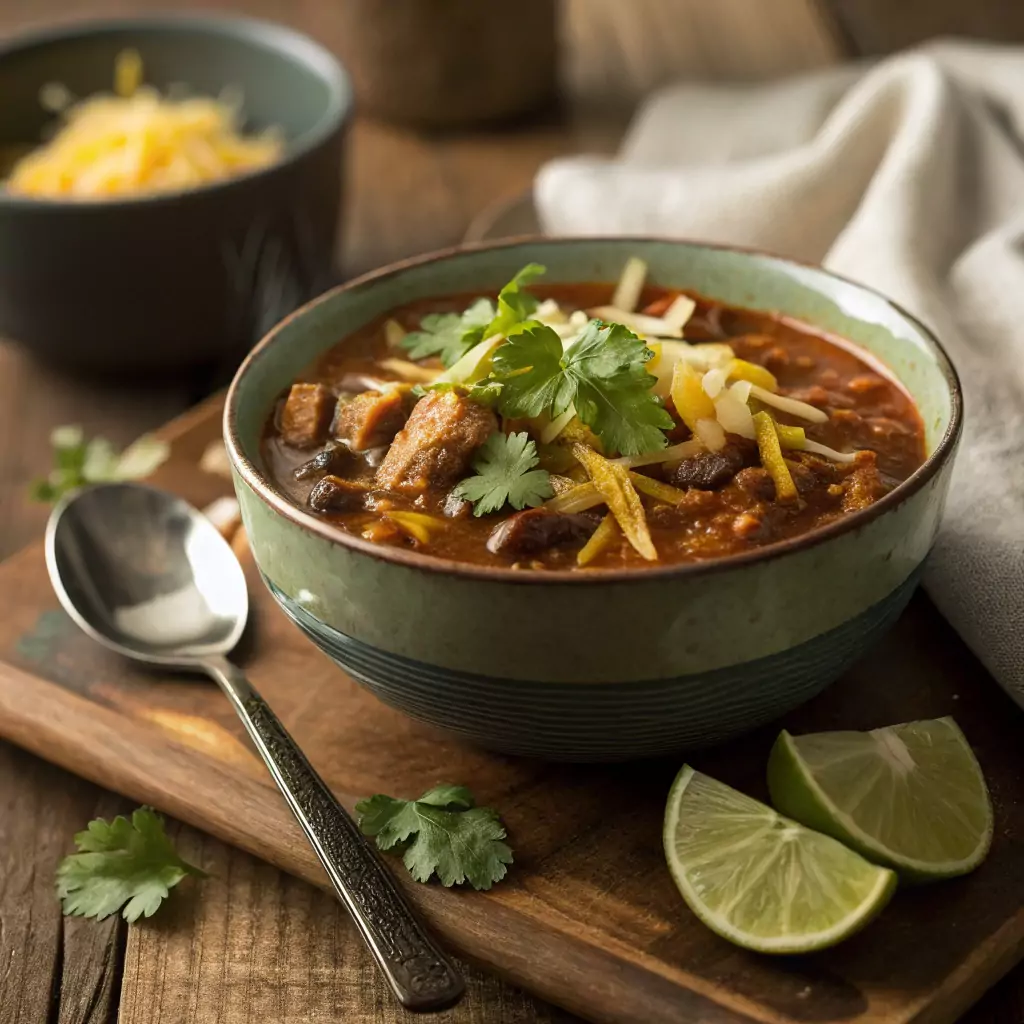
(589, 918)
(407, 193)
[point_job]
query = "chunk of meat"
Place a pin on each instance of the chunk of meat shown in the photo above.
(803, 477)
(371, 419)
(756, 482)
(536, 529)
(327, 461)
(825, 471)
(437, 443)
(306, 415)
(865, 485)
(712, 470)
(334, 494)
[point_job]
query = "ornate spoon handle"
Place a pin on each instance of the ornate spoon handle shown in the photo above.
(422, 977)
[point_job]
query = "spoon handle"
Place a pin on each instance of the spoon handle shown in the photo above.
(422, 977)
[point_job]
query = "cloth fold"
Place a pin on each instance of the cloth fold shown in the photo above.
(907, 175)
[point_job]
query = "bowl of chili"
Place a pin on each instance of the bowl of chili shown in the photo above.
(571, 518)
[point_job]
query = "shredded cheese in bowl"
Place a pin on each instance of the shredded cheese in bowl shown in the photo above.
(137, 142)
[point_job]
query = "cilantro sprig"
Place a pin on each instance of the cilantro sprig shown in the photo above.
(504, 473)
(602, 374)
(121, 863)
(449, 335)
(515, 306)
(443, 833)
(77, 462)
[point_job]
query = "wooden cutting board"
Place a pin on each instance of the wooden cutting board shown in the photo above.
(588, 917)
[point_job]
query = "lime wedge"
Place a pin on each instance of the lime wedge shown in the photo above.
(761, 880)
(911, 797)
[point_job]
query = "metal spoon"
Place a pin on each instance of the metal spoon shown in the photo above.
(146, 574)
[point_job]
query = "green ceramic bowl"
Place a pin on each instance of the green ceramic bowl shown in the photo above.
(189, 278)
(614, 663)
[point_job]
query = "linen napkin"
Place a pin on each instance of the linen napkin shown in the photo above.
(907, 175)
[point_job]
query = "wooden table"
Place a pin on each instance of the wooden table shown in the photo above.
(254, 945)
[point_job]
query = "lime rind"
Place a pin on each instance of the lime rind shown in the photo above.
(744, 840)
(796, 792)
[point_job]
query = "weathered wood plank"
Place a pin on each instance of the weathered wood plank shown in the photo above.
(250, 945)
(90, 986)
(50, 969)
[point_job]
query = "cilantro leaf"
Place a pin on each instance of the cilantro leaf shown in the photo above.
(602, 374)
(443, 834)
(515, 306)
(77, 462)
(449, 335)
(613, 389)
(504, 468)
(121, 863)
(529, 366)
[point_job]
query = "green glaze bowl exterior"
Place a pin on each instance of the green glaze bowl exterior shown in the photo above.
(178, 280)
(605, 664)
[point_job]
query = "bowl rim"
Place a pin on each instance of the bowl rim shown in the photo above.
(300, 48)
(281, 505)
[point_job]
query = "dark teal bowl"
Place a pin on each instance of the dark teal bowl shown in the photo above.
(183, 279)
(603, 664)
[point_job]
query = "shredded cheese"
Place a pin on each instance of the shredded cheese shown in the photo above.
(679, 313)
(631, 284)
(137, 142)
(711, 434)
(790, 405)
(656, 326)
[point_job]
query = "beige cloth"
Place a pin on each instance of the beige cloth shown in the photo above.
(908, 176)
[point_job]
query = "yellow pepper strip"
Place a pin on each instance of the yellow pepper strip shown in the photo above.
(740, 369)
(577, 430)
(771, 457)
(688, 395)
(419, 526)
(620, 495)
(656, 489)
(600, 540)
(579, 499)
(793, 438)
(561, 484)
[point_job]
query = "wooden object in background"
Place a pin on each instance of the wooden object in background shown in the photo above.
(448, 63)
(589, 917)
(659, 41)
(876, 27)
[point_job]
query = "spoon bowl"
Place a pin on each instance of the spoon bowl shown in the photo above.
(142, 572)
(147, 575)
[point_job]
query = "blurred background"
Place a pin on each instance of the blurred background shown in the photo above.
(457, 104)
